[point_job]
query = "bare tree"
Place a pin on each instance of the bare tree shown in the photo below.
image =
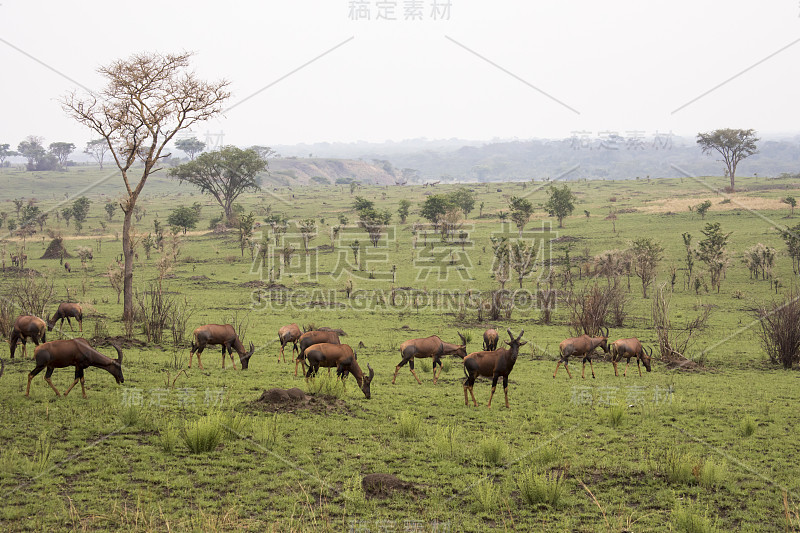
(674, 341)
(149, 98)
(778, 330)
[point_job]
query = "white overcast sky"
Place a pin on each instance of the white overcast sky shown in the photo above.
(623, 66)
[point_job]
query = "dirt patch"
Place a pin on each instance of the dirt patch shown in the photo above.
(294, 399)
(737, 202)
(199, 278)
(566, 238)
(122, 342)
(258, 284)
(383, 485)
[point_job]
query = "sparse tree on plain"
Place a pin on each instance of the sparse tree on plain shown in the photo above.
(403, 209)
(792, 201)
(713, 252)
(702, 208)
(110, 208)
(190, 146)
(148, 100)
(521, 211)
(647, 253)
(308, 229)
(733, 145)
(183, 217)
(97, 149)
(6, 152)
(61, 151)
(561, 203)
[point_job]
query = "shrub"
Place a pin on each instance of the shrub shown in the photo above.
(541, 488)
(778, 330)
(409, 425)
(493, 450)
(203, 435)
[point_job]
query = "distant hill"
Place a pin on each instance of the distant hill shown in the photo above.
(315, 171)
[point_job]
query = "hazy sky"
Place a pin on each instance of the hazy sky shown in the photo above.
(603, 66)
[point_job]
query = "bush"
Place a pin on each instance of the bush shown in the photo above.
(541, 489)
(203, 435)
(408, 425)
(493, 450)
(778, 330)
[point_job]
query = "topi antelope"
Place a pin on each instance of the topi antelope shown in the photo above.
(628, 348)
(343, 358)
(431, 346)
(27, 327)
(225, 335)
(310, 338)
(73, 352)
(67, 267)
(287, 334)
(490, 339)
(581, 346)
(492, 364)
(68, 311)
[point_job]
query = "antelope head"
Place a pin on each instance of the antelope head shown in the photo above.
(245, 359)
(367, 381)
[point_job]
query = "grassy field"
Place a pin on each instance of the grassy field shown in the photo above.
(669, 451)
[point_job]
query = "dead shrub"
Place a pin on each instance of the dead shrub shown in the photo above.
(673, 341)
(778, 330)
(31, 294)
(593, 307)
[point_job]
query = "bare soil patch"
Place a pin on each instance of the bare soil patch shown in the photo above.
(294, 399)
(383, 485)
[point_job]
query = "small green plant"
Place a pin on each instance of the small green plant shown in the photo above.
(712, 474)
(41, 455)
(325, 384)
(487, 495)
(615, 415)
(678, 466)
(168, 436)
(234, 424)
(445, 441)
(493, 450)
(267, 431)
(747, 426)
(446, 367)
(409, 425)
(691, 520)
(353, 492)
(204, 434)
(425, 365)
(541, 488)
(134, 416)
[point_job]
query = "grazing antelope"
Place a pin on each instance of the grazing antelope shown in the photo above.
(68, 311)
(628, 348)
(27, 327)
(490, 338)
(343, 358)
(310, 338)
(67, 267)
(287, 334)
(73, 352)
(431, 346)
(492, 364)
(581, 346)
(220, 334)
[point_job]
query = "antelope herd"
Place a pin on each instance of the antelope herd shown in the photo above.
(319, 347)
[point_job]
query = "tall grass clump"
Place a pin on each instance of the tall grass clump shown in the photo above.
(168, 436)
(408, 425)
(712, 474)
(204, 434)
(493, 450)
(324, 384)
(446, 366)
(747, 426)
(691, 520)
(234, 424)
(541, 488)
(41, 456)
(678, 466)
(615, 415)
(445, 441)
(267, 431)
(487, 496)
(425, 365)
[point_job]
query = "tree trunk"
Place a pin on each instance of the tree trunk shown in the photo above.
(127, 252)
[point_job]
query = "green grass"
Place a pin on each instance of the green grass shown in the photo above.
(541, 488)
(204, 434)
(130, 468)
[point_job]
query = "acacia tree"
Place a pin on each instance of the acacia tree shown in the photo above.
(61, 151)
(792, 203)
(561, 203)
(190, 146)
(732, 144)
(148, 99)
(646, 255)
(224, 174)
(97, 149)
(5, 152)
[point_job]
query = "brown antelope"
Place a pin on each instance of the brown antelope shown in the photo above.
(287, 334)
(67, 267)
(628, 348)
(431, 346)
(490, 338)
(225, 335)
(73, 352)
(68, 311)
(313, 337)
(492, 364)
(27, 327)
(581, 346)
(343, 358)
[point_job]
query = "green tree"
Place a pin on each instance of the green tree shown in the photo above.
(245, 227)
(791, 236)
(360, 204)
(30, 214)
(702, 208)
(792, 204)
(561, 203)
(190, 146)
(308, 230)
(5, 152)
(713, 252)
(67, 214)
(403, 209)
(434, 208)
(521, 211)
(148, 99)
(647, 253)
(732, 144)
(183, 217)
(110, 208)
(374, 222)
(464, 199)
(224, 174)
(61, 151)
(32, 150)
(80, 209)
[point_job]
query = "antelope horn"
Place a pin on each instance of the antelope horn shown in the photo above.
(119, 354)
(651, 351)
(252, 348)
(520, 334)
(510, 334)
(371, 372)
(606, 335)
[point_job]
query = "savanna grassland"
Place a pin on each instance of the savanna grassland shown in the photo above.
(673, 450)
